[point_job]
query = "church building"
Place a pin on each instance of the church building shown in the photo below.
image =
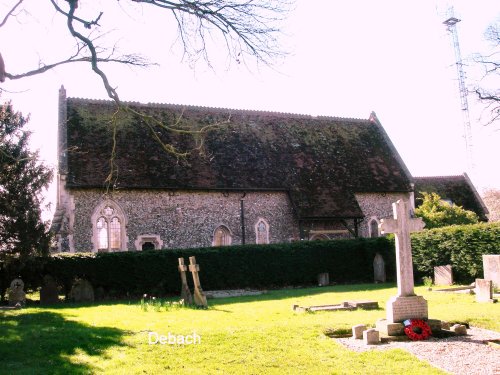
(249, 177)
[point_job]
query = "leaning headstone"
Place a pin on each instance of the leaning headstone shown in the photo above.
(82, 291)
(323, 279)
(16, 293)
(406, 305)
(491, 267)
(357, 331)
(49, 294)
(199, 297)
(185, 292)
(484, 290)
(379, 269)
(443, 275)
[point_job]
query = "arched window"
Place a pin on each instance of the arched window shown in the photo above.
(108, 222)
(222, 236)
(373, 228)
(261, 232)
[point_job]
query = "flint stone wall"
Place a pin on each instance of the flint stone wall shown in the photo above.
(377, 205)
(185, 219)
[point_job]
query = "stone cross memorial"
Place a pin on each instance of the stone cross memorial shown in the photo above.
(199, 297)
(16, 293)
(406, 305)
(185, 292)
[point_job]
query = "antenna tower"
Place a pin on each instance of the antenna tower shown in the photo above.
(451, 23)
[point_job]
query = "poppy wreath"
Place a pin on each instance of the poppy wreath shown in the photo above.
(417, 329)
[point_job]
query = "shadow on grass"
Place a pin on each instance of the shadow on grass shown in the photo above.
(280, 294)
(42, 342)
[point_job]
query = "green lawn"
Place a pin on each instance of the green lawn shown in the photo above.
(247, 335)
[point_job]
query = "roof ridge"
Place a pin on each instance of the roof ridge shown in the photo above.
(440, 176)
(234, 110)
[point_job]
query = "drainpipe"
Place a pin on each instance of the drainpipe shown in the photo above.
(242, 216)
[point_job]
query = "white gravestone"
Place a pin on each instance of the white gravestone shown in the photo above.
(406, 305)
(443, 275)
(491, 268)
(484, 291)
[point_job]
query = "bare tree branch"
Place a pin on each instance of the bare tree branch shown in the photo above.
(10, 12)
(491, 66)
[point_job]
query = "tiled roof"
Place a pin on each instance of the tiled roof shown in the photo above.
(458, 189)
(320, 161)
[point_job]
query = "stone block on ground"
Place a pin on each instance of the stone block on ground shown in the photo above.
(357, 331)
(389, 328)
(459, 329)
(371, 337)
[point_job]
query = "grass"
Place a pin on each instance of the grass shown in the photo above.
(247, 335)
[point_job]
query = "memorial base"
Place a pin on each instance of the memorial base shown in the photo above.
(401, 308)
(387, 328)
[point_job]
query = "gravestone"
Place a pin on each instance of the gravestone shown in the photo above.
(49, 294)
(323, 279)
(16, 293)
(379, 269)
(185, 292)
(443, 275)
(484, 290)
(491, 267)
(357, 331)
(406, 305)
(81, 291)
(199, 297)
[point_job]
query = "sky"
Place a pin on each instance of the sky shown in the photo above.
(345, 59)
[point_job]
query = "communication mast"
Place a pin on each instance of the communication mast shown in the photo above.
(451, 23)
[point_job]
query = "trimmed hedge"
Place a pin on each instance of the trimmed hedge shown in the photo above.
(462, 246)
(262, 266)
(249, 266)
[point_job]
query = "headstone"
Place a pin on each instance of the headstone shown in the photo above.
(371, 337)
(379, 269)
(324, 279)
(49, 294)
(82, 291)
(484, 290)
(443, 275)
(185, 292)
(357, 331)
(491, 267)
(199, 297)
(406, 305)
(16, 293)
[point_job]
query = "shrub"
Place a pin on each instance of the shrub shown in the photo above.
(461, 246)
